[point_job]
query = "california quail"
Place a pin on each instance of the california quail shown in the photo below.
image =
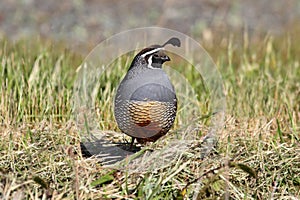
(145, 102)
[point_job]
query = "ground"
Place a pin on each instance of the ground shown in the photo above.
(257, 154)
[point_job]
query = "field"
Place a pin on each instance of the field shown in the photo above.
(257, 155)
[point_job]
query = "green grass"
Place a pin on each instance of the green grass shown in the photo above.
(257, 155)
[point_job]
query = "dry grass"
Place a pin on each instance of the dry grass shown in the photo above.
(257, 155)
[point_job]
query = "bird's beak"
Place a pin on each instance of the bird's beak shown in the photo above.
(165, 58)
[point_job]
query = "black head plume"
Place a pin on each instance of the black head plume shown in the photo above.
(173, 41)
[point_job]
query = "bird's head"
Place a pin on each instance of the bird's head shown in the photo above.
(154, 56)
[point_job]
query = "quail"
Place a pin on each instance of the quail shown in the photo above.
(145, 102)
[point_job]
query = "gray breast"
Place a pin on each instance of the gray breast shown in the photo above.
(144, 78)
(146, 104)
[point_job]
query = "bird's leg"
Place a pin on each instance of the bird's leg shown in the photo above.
(132, 141)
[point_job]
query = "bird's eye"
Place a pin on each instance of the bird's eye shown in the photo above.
(155, 55)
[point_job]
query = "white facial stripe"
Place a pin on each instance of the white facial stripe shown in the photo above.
(151, 52)
(150, 63)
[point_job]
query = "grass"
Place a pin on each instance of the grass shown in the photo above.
(257, 155)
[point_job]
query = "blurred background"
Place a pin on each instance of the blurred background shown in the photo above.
(82, 24)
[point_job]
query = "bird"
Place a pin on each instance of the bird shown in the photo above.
(145, 103)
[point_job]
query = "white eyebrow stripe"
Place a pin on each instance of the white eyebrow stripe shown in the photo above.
(151, 52)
